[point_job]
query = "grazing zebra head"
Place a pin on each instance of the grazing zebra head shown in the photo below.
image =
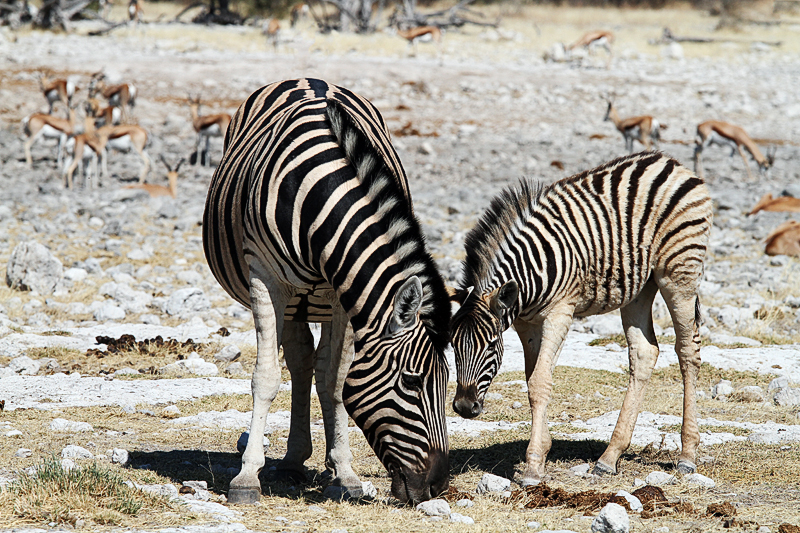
(477, 333)
(395, 392)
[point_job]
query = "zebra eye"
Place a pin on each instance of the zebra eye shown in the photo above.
(411, 381)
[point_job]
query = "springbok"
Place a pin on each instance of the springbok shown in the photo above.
(82, 150)
(414, 35)
(725, 134)
(272, 30)
(40, 125)
(206, 126)
(103, 115)
(160, 190)
(122, 95)
(124, 138)
(135, 11)
(781, 204)
(593, 40)
(644, 129)
(60, 90)
(784, 240)
(297, 12)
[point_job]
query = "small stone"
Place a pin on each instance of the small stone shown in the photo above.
(368, 490)
(67, 464)
(126, 371)
(241, 444)
(763, 529)
(436, 519)
(494, 396)
(659, 478)
(581, 470)
(109, 311)
(23, 453)
(120, 456)
(612, 519)
(699, 479)
(633, 501)
(436, 507)
(722, 388)
(229, 353)
(24, 365)
(236, 370)
(32, 267)
(750, 393)
(516, 405)
(14, 433)
(76, 452)
(533, 525)
(461, 519)
(778, 383)
(68, 426)
(465, 502)
(426, 148)
(638, 482)
(492, 483)
(171, 411)
(787, 397)
(662, 529)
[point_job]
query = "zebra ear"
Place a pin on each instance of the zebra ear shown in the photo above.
(504, 297)
(407, 303)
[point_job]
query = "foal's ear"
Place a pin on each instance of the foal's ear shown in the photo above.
(504, 298)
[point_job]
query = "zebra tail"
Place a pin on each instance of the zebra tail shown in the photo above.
(698, 320)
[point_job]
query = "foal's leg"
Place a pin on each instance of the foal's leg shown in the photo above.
(637, 320)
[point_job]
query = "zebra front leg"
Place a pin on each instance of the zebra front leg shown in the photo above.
(298, 351)
(637, 321)
(540, 384)
(334, 357)
(268, 301)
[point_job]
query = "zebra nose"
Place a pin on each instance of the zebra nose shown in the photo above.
(466, 402)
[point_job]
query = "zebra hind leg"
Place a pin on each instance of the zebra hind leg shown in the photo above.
(334, 357)
(637, 321)
(684, 307)
(268, 299)
(298, 351)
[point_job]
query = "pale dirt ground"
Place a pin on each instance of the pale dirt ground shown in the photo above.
(490, 111)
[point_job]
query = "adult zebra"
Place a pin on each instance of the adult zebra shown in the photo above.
(309, 219)
(605, 239)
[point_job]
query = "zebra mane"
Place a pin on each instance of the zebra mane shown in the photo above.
(485, 239)
(384, 188)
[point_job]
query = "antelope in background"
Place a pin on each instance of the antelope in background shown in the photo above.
(126, 138)
(593, 40)
(206, 126)
(414, 35)
(108, 115)
(40, 125)
(784, 240)
(160, 190)
(60, 90)
(122, 95)
(644, 128)
(298, 11)
(781, 204)
(724, 134)
(84, 149)
(135, 11)
(272, 29)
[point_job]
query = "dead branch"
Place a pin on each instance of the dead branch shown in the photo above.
(668, 37)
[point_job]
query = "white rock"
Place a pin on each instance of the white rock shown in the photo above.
(723, 388)
(612, 519)
(120, 456)
(24, 365)
(494, 396)
(236, 369)
(750, 393)
(633, 501)
(67, 464)
(604, 325)
(126, 371)
(699, 479)
(659, 478)
(516, 405)
(461, 519)
(33, 267)
(109, 311)
(465, 502)
(68, 426)
(492, 483)
(581, 470)
(195, 366)
(187, 301)
(75, 274)
(368, 490)
(23, 453)
(778, 383)
(167, 490)
(139, 254)
(787, 396)
(533, 525)
(662, 529)
(76, 452)
(14, 433)
(171, 411)
(435, 508)
(762, 529)
(229, 353)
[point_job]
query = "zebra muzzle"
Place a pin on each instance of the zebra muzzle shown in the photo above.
(410, 486)
(466, 402)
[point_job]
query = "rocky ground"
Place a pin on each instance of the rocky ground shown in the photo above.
(466, 122)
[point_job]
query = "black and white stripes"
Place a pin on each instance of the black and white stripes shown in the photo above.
(311, 194)
(605, 239)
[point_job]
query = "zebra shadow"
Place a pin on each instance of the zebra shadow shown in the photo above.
(507, 458)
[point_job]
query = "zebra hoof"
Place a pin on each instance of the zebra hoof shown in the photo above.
(244, 496)
(603, 470)
(686, 467)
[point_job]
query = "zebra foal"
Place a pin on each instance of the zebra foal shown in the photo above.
(309, 219)
(606, 239)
